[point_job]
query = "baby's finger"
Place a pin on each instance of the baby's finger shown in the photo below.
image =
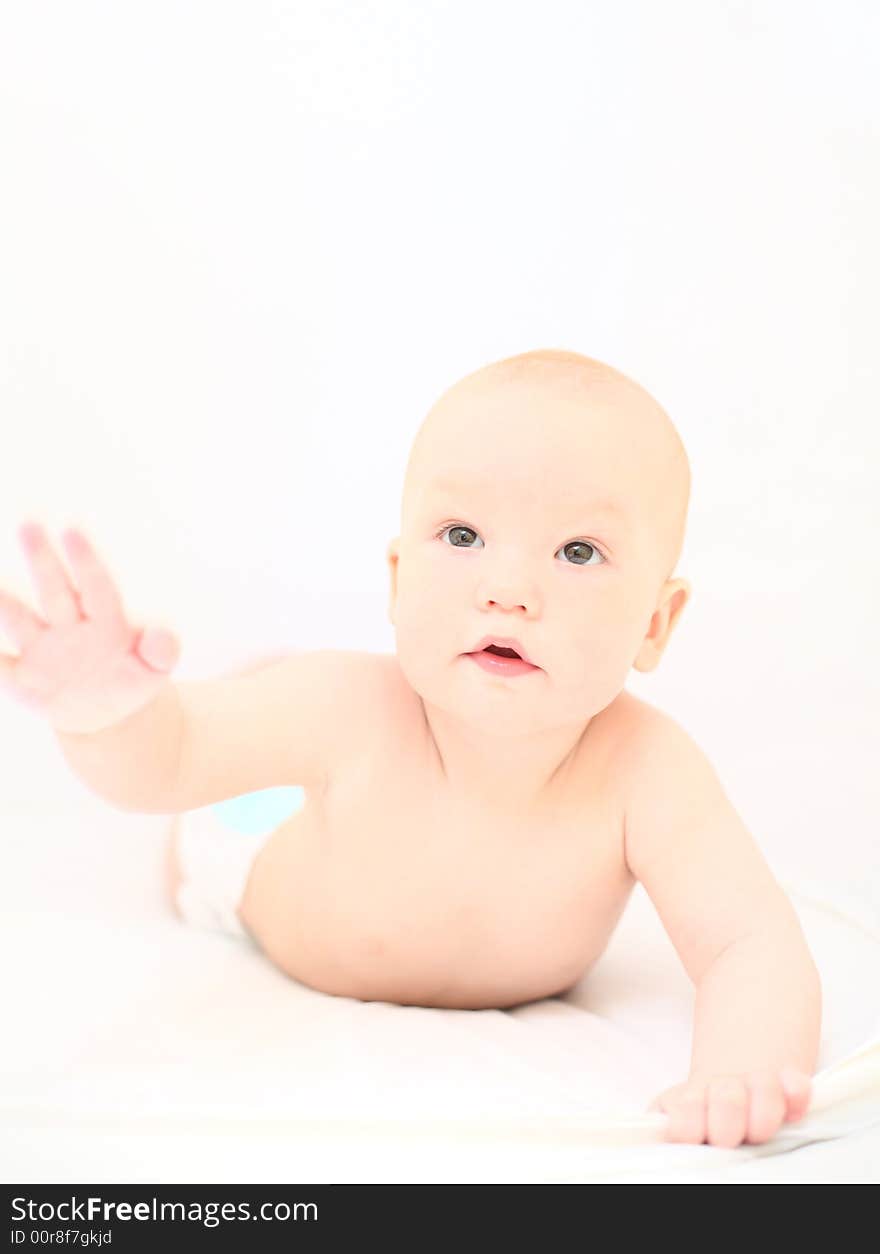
(9, 669)
(766, 1107)
(687, 1114)
(20, 623)
(159, 648)
(798, 1088)
(727, 1111)
(98, 594)
(57, 595)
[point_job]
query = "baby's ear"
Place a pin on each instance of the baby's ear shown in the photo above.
(393, 556)
(673, 598)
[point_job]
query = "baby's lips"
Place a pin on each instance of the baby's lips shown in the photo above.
(490, 642)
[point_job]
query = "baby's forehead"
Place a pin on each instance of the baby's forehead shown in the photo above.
(549, 476)
(557, 413)
(532, 437)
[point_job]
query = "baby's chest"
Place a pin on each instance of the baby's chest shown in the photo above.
(394, 848)
(384, 887)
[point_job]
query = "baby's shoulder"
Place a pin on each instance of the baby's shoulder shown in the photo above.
(641, 740)
(363, 676)
(374, 677)
(367, 689)
(662, 773)
(378, 722)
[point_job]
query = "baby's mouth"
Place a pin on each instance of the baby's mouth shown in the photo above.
(501, 661)
(502, 647)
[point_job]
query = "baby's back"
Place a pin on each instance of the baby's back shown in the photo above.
(387, 887)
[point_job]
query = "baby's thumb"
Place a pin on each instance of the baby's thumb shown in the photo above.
(159, 648)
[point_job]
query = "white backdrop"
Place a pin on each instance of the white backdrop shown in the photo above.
(244, 246)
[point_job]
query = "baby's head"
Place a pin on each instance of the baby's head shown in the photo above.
(545, 499)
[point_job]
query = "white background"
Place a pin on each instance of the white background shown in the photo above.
(244, 247)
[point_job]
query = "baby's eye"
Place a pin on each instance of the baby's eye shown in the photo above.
(456, 531)
(582, 550)
(579, 546)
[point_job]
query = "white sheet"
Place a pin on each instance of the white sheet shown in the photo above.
(143, 1050)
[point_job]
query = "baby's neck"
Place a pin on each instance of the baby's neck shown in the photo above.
(513, 774)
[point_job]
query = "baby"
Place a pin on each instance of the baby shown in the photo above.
(481, 803)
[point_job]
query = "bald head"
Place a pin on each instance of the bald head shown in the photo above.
(561, 421)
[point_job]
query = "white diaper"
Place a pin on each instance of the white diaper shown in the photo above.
(216, 848)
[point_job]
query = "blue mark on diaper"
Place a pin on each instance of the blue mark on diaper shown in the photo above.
(255, 812)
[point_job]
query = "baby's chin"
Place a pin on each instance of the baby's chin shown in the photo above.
(460, 688)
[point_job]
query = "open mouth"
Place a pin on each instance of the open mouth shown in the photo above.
(496, 648)
(500, 661)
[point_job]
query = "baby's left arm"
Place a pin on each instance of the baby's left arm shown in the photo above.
(758, 993)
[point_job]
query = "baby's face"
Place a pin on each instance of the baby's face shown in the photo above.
(544, 511)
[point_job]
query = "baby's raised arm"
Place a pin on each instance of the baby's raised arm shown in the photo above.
(136, 738)
(100, 682)
(285, 723)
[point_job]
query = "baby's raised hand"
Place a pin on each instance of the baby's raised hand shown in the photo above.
(81, 665)
(727, 1110)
